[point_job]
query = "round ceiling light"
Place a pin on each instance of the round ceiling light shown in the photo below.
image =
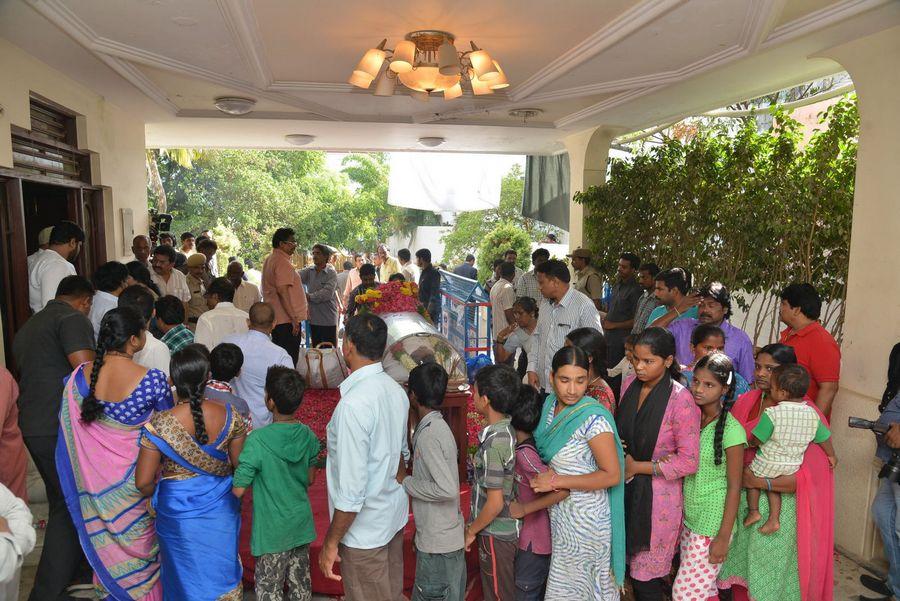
(234, 105)
(299, 139)
(431, 141)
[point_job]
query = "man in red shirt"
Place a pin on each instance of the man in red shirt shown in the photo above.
(815, 347)
(282, 288)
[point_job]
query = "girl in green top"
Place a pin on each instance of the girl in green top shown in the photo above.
(712, 495)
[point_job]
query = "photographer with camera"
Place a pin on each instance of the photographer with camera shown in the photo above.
(886, 507)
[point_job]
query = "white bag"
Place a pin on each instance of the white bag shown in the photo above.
(322, 367)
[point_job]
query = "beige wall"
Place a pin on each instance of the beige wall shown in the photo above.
(872, 322)
(588, 151)
(109, 131)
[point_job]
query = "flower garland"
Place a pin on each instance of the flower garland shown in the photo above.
(392, 297)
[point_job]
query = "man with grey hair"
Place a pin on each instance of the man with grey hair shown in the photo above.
(320, 280)
(141, 248)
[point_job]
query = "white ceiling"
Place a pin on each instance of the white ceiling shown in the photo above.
(621, 64)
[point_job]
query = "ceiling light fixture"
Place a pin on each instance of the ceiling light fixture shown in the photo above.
(426, 61)
(431, 141)
(525, 114)
(234, 105)
(299, 139)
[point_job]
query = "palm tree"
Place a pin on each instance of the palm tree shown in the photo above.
(183, 156)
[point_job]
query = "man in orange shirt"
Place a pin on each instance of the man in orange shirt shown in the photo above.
(282, 288)
(815, 347)
(12, 447)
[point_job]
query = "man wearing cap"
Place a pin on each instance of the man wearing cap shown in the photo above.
(588, 280)
(715, 309)
(43, 244)
(196, 306)
(52, 265)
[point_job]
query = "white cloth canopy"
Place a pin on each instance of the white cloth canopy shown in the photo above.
(438, 182)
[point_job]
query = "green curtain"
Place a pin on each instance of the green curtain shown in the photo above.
(546, 195)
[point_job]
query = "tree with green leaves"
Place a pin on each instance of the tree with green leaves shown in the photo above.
(504, 237)
(252, 192)
(752, 208)
(472, 227)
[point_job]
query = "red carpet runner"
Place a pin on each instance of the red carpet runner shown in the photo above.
(315, 412)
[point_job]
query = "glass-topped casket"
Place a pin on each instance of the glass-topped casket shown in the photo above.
(411, 340)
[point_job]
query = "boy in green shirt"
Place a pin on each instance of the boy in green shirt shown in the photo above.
(279, 462)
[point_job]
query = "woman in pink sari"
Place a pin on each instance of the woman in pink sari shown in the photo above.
(796, 562)
(105, 404)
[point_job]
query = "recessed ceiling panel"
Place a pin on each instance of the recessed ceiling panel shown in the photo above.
(797, 9)
(689, 33)
(193, 32)
(323, 41)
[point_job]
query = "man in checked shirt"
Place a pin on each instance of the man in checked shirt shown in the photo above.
(562, 310)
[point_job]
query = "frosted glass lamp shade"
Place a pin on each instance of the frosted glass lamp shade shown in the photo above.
(448, 61)
(360, 79)
(480, 88)
(384, 85)
(483, 65)
(500, 81)
(453, 92)
(404, 57)
(371, 63)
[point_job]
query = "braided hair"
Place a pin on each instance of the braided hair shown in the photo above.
(190, 371)
(116, 329)
(721, 367)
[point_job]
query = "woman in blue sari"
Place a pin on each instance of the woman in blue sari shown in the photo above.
(197, 517)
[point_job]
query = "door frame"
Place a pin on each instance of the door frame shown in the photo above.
(13, 246)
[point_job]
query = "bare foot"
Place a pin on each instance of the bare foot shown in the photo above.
(770, 527)
(753, 516)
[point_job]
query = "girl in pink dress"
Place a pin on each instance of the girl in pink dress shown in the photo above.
(660, 426)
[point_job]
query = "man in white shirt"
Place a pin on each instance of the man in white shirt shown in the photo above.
(155, 354)
(43, 243)
(254, 276)
(260, 353)
(223, 318)
(52, 265)
(366, 441)
(17, 538)
(140, 247)
(110, 279)
(503, 297)
(170, 280)
(246, 294)
(409, 269)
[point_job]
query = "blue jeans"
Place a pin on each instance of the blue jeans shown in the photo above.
(886, 513)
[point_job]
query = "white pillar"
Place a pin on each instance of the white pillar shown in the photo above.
(588, 152)
(872, 319)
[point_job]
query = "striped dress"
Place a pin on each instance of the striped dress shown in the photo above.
(581, 525)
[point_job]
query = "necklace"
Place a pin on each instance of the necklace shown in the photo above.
(119, 354)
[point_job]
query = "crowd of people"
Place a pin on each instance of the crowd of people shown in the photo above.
(632, 443)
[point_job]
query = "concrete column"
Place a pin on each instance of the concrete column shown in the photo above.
(872, 321)
(588, 151)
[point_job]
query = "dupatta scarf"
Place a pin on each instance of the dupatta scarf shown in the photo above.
(551, 438)
(96, 463)
(815, 508)
(197, 517)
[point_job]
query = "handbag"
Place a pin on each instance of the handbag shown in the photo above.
(322, 367)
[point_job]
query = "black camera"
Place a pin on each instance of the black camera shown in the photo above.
(159, 223)
(891, 469)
